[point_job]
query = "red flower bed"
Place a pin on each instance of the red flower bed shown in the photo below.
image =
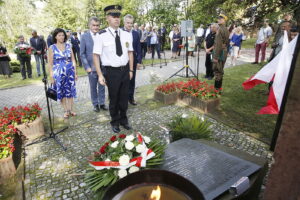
(169, 88)
(9, 118)
(200, 89)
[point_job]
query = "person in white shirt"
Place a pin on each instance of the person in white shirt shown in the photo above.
(199, 36)
(263, 36)
(114, 46)
(171, 35)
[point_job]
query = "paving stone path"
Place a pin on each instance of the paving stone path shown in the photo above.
(51, 173)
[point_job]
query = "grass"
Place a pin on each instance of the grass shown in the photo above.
(249, 43)
(238, 107)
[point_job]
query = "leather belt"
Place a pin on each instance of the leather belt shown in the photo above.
(121, 68)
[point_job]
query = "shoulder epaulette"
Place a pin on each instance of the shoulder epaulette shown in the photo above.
(102, 31)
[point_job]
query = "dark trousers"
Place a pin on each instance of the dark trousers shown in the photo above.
(153, 48)
(117, 81)
(144, 48)
(132, 83)
(25, 67)
(97, 90)
(163, 41)
(208, 66)
(77, 57)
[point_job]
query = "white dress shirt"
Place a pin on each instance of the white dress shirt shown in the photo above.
(200, 32)
(105, 46)
(94, 35)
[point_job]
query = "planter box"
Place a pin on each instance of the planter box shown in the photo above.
(204, 105)
(32, 130)
(166, 98)
(7, 168)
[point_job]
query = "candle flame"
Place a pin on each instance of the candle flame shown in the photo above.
(155, 195)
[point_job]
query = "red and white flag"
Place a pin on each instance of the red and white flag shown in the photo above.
(277, 71)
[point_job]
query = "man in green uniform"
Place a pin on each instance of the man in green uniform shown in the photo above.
(220, 50)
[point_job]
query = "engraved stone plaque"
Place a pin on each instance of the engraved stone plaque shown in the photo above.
(211, 170)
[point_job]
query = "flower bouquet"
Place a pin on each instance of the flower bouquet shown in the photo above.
(121, 155)
(24, 50)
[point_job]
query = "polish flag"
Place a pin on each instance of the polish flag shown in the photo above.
(277, 71)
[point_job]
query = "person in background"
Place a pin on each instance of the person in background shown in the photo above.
(294, 32)
(49, 39)
(191, 44)
(171, 36)
(86, 53)
(4, 62)
(24, 58)
(209, 46)
(263, 37)
(37, 44)
(144, 40)
(44, 47)
(76, 48)
(207, 31)
(79, 33)
(149, 30)
(137, 55)
(136, 28)
(62, 68)
(176, 42)
(235, 44)
(154, 41)
(199, 37)
(162, 35)
(277, 45)
(69, 35)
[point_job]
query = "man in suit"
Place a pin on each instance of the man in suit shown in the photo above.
(137, 55)
(38, 45)
(86, 54)
(162, 33)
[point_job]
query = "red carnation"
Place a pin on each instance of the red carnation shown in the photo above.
(122, 136)
(102, 149)
(113, 138)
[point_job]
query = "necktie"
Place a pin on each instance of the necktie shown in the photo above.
(118, 45)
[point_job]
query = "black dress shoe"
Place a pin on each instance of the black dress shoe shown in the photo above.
(132, 102)
(254, 63)
(126, 126)
(115, 129)
(103, 107)
(96, 108)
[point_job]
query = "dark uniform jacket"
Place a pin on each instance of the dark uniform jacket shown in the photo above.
(221, 43)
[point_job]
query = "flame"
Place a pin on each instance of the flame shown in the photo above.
(155, 194)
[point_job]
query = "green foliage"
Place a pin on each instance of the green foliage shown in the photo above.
(190, 127)
(15, 66)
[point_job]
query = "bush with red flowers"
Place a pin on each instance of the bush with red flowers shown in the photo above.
(9, 118)
(200, 89)
(169, 88)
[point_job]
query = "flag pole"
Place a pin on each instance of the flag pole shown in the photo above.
(285, 96)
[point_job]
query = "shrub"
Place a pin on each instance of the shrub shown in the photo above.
(15, 66)
(190, 127)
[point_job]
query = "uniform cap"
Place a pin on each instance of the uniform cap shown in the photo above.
(113, 10)
(223, 16)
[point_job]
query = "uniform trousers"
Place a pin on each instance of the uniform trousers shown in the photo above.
(218, 67)
(117, 81)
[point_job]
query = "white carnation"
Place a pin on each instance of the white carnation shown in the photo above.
(114, 144)
(140, 148)
(124, 160)
(129, 138)
(107, 160)
(122, 173)
(147, 139)
(129, 145)
(133, 169)
(184, 115)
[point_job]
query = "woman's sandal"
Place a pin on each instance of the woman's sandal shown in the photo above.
(66, 115)
(73, 114)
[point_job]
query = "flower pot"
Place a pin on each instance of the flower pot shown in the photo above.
(32, 130)
(7, 168)
(204, 105)
(166, 98)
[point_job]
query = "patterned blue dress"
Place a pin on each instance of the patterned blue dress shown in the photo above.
(63, 72)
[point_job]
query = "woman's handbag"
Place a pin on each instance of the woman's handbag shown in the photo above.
(51, 93)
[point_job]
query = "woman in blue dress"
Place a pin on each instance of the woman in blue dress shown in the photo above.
(176, 43)
(63, 75)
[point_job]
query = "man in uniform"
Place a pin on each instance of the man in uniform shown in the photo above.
(114, 46)
(220, 50)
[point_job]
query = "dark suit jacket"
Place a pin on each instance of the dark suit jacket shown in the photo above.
(86, 50)
(75, 44)
(137, 54)
(37, 44)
